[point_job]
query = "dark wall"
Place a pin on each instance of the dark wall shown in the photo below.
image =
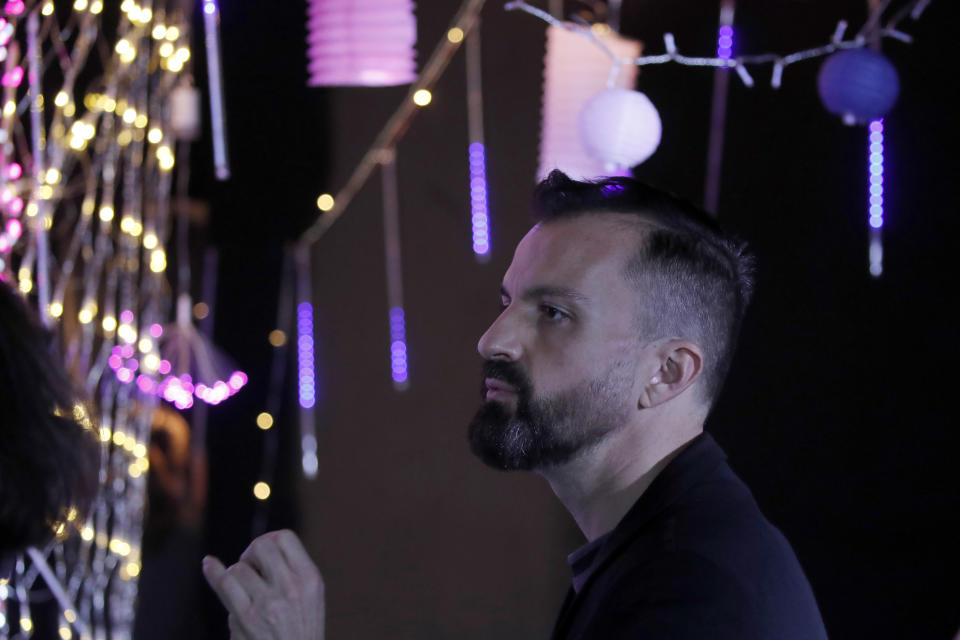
(837, 410)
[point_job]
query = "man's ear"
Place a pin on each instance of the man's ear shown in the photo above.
(681, 363)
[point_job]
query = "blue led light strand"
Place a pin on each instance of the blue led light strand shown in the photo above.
(479, 215)
(399, 366)
(306, 364)
(305, 356)
(725, 42)
(398, 345)
(875, 209)
(479, 203)
(718, 109)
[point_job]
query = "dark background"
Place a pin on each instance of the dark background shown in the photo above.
(837, 411)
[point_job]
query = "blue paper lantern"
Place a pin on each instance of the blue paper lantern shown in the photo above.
(859, 85)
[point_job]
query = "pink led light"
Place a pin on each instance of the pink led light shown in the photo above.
(124, 375)
(237, 380)
(16, 206)
(126, 351)
(14, 7)
(14, 229)
(133, 365)
(14, 171)
(115, 361)
(6, 195)
(126, 316)
(164, 367)
(156, 330)
(14, 77)
(146, 384)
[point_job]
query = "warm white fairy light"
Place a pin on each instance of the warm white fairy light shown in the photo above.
(73, 158)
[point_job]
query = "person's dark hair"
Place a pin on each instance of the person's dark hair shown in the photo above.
(48, 455)
(695, 279)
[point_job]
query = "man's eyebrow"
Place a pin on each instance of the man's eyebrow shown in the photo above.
(549, 291)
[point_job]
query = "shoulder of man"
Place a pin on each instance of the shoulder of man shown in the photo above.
(678, 595)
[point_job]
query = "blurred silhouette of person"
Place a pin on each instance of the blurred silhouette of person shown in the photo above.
(48, 450)
(172, 535)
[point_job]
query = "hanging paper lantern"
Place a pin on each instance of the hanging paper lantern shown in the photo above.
(575, 69)
(859, 85)
(361, 42)
(619, 127)
(185, 111)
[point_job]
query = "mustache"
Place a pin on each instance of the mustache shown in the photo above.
(508, 372)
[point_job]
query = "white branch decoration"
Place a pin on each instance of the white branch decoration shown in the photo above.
(868, 33)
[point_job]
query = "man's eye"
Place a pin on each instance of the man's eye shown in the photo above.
(552, 313)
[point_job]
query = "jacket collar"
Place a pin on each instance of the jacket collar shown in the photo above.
(701, 456)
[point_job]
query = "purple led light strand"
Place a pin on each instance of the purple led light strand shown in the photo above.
(479, 210)
(399, 368)
(718, 109)
(398, 345)
(306, 364)
(875, 220)
(218, 119)
(305, 356)
(725, 42)
(479, 215)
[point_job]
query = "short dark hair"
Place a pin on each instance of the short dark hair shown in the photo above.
(696, 279)
(49, 455)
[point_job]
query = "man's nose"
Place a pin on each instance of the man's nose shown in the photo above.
(502, 340)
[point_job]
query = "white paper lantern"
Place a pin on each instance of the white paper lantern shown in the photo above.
(185, 112)
(620, 128)
(575, 69)
(361, 43)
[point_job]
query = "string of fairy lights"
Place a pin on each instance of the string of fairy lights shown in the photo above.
(724, 57)
(86, 170)
(856, 82)
(464, 28)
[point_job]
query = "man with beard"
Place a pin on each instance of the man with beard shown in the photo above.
(621, 310)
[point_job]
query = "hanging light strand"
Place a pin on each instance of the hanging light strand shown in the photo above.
(218, 118)
(476, 152)
(391, 227)
(306, 364)
(274, 400)
(394, 129)
(875, 197)
(738, 63)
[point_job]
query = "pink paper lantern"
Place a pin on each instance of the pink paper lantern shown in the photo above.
(361, 43)
(575, 70)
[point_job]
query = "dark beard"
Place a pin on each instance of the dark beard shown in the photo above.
(542, 433)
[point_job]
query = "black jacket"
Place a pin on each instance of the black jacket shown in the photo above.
(694, 559)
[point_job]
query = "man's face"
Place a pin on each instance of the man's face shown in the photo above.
(561, 360)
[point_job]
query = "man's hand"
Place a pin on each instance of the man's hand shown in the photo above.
(274, 592)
